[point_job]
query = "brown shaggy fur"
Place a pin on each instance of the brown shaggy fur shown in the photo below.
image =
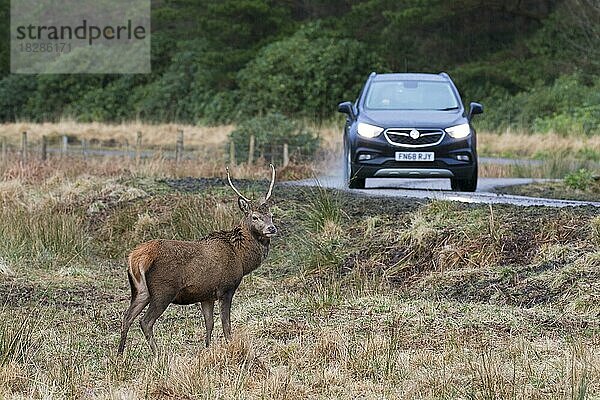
(162, 272)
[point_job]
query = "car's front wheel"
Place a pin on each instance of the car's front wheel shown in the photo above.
(350, 178)
(465, 185)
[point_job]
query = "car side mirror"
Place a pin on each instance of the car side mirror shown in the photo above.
(475, 108)
(347, 108)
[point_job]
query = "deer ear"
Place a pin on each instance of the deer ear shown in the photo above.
(244, 205)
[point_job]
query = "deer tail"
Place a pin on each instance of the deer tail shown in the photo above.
(140, 261)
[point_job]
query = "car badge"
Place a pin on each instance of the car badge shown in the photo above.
(415, 134)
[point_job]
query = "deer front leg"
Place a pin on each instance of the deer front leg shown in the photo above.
(225, 312)
(207, 311)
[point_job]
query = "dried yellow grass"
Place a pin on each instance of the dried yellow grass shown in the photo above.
(13, 173)
(515, 144)
(508, 144)
(163, 135)
(206, 146)
(301, 336)
(523, 145)
(326, 362)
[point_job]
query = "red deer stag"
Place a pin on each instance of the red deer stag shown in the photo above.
(162, 272)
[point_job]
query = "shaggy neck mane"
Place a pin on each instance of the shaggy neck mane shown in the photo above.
(251, 247)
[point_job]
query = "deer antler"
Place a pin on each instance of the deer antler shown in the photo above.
(268, 196)
(233, 187)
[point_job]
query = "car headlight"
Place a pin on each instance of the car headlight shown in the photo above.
(459, 131)
(368, 131)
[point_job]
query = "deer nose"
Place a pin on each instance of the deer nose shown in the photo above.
(271, 230)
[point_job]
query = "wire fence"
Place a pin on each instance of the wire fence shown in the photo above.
(68, 146)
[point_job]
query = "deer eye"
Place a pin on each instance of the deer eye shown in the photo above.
(254, 218)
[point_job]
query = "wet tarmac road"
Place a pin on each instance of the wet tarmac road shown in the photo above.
(439, 189)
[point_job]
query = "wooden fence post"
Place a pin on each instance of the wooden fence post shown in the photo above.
(4, 150)
(126, 150)
(84, 145)
(44, 148)
(179, 147)
(286, 155)
(138, 147)
(251, 150)
(24, 147)
(232, 153)
(65, 145)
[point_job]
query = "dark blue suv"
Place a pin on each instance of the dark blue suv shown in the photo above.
(410, 126)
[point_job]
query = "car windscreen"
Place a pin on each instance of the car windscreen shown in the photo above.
(411, 95)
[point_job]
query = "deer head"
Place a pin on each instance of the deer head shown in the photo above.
(257, 216)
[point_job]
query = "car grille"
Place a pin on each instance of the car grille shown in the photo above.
(401, 137)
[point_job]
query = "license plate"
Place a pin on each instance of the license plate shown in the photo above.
(415, 156)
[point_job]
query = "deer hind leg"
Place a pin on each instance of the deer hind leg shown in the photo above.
(225, 314)
(208, 313)
(155, 309)
(139, 300)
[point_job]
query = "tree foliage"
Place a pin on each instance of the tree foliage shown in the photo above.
(216, 61)
(270, 133)
(304, 75)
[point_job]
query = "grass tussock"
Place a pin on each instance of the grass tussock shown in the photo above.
(46, 237)
(441, 237)
(196, 217)
(323, 210)
(19, 342)
(556, 190)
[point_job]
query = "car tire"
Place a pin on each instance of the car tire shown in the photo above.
(350, 178)
(465, 185)
(357, 183)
